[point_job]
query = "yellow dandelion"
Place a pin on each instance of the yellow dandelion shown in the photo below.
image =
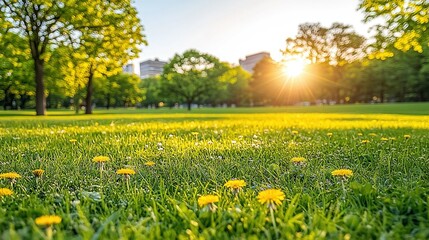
(271, 197)
(73, 140)
(207, 200)
(342, 173)
(5, 192)
(100, 159)
(392, 138)
(294, 132)
(47, 220)
(384, 139)
(298, 160)
(195, 133)
(150, 163)
(407, 136)
(235, 184)
(360, 134)
(10, 175)
(38, 172)
(372, 134)
(365, 141)
(329, 134)
(125, 171)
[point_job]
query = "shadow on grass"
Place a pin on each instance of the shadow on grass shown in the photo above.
(389, 108)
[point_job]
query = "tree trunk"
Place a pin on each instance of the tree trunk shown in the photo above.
(89, 91)
(6, 93)
(40, 86)
(108, 101)
(189, 103)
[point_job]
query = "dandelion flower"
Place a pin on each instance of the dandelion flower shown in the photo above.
(125, 171)
(73, 140)
(407, 136)
(10, 175)
(365, 141)
(209, 201)
(235, 185)
(329, 134)
(372, 134)
(360, 134)
(342, 173)
(384, 139)
(150, 163)
(5, 192)
(294, 132)
(298, 160)
(47, 220)
(100, 159)
(392, 138)
(38, 172)
(271, 197)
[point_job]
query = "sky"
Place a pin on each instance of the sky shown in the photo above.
(232, 29)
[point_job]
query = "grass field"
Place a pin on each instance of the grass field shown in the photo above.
(195, 154)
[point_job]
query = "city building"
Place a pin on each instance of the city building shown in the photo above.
(251, 60)
(151, 68)
(129, 68)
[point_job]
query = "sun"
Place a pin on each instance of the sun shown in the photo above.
(294, 68)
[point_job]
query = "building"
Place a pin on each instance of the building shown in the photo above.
(129, 68)
(251, 60)
(151, 68)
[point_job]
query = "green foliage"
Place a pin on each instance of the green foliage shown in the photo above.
(191, 77)
(237, 90)
(15, 70)
(152, 87)
(402, 24)
(121, 90)
(104, 34)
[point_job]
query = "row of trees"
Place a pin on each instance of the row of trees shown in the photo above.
(345, 75)
(51, 49)
(342, 68)
(67, 43)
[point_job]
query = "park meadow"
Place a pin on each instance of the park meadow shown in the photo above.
(329, 172)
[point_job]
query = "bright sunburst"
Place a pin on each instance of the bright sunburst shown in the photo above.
(294, 68)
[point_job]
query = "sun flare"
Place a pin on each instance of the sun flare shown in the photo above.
(294, 68)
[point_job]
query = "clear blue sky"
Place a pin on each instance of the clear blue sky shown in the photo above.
(232, 29)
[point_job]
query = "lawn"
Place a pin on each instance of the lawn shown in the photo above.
(179, 156)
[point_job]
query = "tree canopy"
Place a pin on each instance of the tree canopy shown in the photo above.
(190, 76)
(403, 24)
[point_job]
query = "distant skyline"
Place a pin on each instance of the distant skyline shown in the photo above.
(232, 29)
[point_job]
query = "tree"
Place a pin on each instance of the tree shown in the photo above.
(152, 85)
(190, 76)
(107, 48)
(67, 75)
(267, 82)
(46, 24)
(122, 89)
(237, 88)
(403, 24)
(14, 70)
(42, 23)
(336, 46)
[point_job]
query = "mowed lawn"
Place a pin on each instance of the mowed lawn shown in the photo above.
(196, 153)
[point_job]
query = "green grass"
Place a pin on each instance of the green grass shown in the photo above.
(196, 153)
